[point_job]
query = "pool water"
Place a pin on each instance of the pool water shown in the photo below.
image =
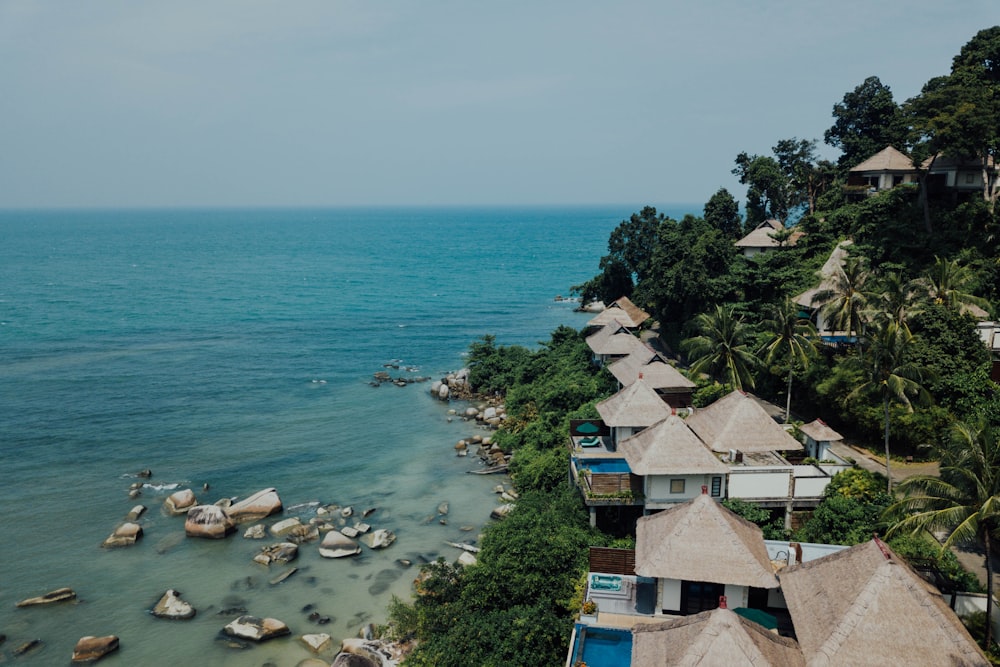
(602, 647)
(604, 465)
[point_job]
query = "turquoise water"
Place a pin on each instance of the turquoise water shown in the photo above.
(234, 348)
(602, 647)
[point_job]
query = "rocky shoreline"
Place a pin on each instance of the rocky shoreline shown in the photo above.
(334, 531)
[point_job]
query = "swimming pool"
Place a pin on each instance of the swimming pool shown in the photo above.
(604, 465)
(602, 647)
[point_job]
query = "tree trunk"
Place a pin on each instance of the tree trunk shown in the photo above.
(788, 399)
(989, 591)
(885, 406)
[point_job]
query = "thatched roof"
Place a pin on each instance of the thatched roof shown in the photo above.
(761, 237)
(864, 606)
(887, 159)
(614, 339)
(636, 405)
(716, 637)
(655, 370)
(624, 311)
(834, 263)
(736, 421)
(701, 540)
(669, 447)
(820, 432)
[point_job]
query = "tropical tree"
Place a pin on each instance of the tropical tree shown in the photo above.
(866, 121)
(964, 501)
(792, 338)
(844, 302)
(898, 299)
(947, 283)
(891, 375)
(722, 211)
(722, 348)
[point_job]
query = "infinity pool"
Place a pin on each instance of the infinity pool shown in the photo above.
(602, 647)
(604, 465)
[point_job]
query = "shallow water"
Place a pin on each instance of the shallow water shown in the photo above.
(234, 348)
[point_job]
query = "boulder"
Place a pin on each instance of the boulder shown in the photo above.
(443, 392)
(337, 545)
(378, 539)
(317, 643)
(352, 660)
(92, 649)
(362, 527)
(256, 629)
(255, 532)
(282, 552)
(347, 511)
(350, 531)
(135, 512)
(363, 648)
(443, 507)
(285, 526)
(465, 558)
(172, 607)
(124, 535)
(208, 521)
(303, 533)
(58, 595)
(180, 502)
(260, 505)
(502, 511)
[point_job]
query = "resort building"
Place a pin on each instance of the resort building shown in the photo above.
(620, 310)
(614, 341)
(811, 300)
(945, 174)
(703, 587)
(882, 171)
(764, 238)
(667, 381)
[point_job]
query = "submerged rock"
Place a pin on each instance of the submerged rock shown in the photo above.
(209, 521)
(379, 539)
(317, 643)
(135, 512)
(256, 532)
(256, 629)
(58, 595)
(172, 607)
(285, 526)
(92, 649)
(282, 552)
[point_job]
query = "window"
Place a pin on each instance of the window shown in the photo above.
(677, 486)
(970, 178)
(716, 487)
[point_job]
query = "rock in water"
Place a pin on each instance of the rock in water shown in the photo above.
(283, 552)
(256, 629)
(255, 532)
(171, 606)
(285, 526)
(135, 512)
(317, 643)
(337, 545)
(379, 539)
(58, 595)
(208, 521)
(92, 649)
(351, 660)
(443, 508)
(124, 535)
(262, 504)
(179, 502)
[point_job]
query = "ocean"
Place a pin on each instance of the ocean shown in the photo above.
(235, 348)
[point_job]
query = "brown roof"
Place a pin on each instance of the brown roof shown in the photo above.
(614, 339)
(636, 405)
(623, 310)
(820, 432)
(716, 637)
(887, 159)
(669, 447)
(736, 421)
(760, 237)
(863, 606)
(655, 370)
(701, 540)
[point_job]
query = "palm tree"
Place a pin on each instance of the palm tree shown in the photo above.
(793, 338)
(964, 501)
(891, 376)
(843, 303)
(946, 283)
(898, 298)
(721, 348)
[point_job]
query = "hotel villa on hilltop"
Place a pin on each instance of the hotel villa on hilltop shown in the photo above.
(702, 586)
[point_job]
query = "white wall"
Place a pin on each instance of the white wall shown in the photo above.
(670, 595)
(736, 596)
(657, 487)
(749, 483)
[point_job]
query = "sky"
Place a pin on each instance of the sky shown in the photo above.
(254, 103)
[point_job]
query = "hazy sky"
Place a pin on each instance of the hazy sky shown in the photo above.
(384, 102)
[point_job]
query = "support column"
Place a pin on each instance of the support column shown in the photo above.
(593, 517)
